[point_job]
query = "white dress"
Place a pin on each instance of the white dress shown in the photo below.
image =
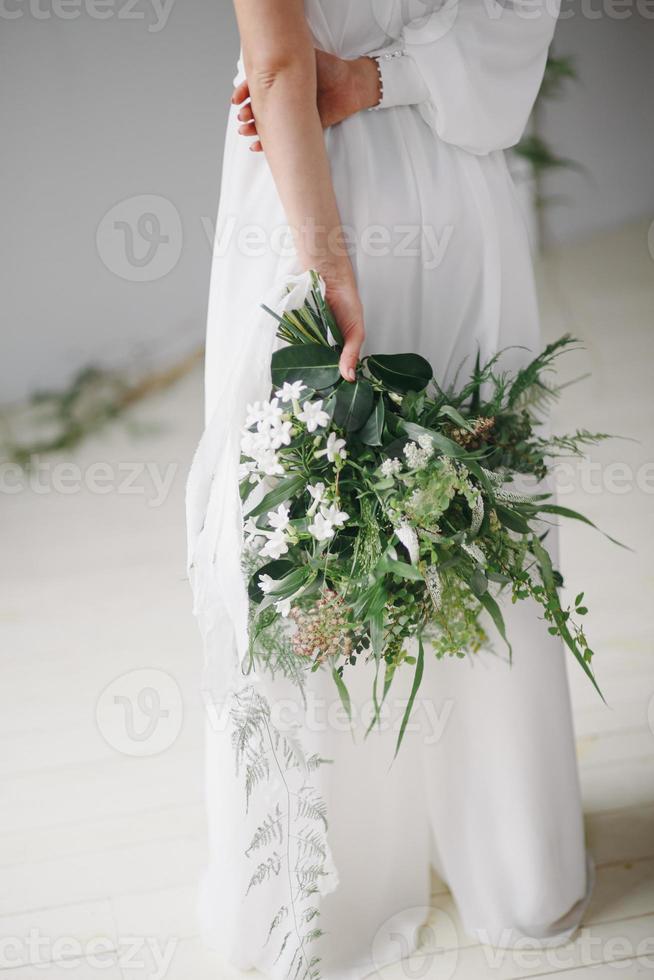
(485, 789)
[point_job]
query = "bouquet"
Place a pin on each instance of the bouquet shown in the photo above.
(382, 511)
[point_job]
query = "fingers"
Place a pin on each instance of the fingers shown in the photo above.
(241, 93)
(246, 116)
(351, 351)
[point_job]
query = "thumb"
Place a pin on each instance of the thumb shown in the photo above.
(350, 355)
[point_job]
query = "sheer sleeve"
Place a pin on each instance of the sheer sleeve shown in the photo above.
(474, 68)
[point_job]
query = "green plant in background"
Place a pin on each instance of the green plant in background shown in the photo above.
(58, 421)
(534, 148)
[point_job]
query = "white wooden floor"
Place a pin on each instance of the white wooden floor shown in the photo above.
(100, 850)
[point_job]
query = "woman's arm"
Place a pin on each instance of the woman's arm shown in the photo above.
(345, 87)
(280, 64)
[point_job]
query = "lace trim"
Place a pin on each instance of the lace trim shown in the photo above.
(378, 59)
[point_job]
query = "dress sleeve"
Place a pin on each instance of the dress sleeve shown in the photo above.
(474, 69)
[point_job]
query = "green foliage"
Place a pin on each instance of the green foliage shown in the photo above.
(407, 528)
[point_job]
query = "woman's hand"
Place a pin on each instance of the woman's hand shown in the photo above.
(344, 88)
(345, 303)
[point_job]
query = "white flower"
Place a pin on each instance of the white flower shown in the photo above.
(266, 583)
(317, 492)
(270, 414)
(255, 413)
(335, 448)
(250, 529)
(247, 469)
(269, 464)
(334, 515)
(326, 522)
(253, 443)
(321, 529)
(424, 441)
(283, 607)
(390, 467)
(280, 434)
(279, 519)
(275, 546)
(416, 456)
(290, 391)
(313, 415)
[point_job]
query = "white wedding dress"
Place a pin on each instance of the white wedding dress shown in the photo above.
(485, 788)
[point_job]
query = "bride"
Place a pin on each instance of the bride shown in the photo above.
(375, 155)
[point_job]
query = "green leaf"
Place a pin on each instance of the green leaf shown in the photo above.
(371, 431)
(317, 366)
(291, 583)
(343, 693)
(445, 446)
(478, 582)
(495, 613)
(576, 516)
(417, 680)
(549, 581)
(511, 519)
(400, 372)
(399, 568)
(278, 495)
(353, 404)
(377, 634)
(451, 413)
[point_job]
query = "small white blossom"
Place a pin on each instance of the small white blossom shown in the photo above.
(279, 519)
(247, 469)
(326, 521)
(313, 415)
(335, 448)
(416, 456)
(424, 441)
(266, 583)
(317, 493)
(283, 607)
(270, 414)
(250, 530)
(275, 546)
(290, 391)
(254, 443)
(280, 434)
(321, 529)
(390, 467)
(269, 464)
(255, 413)
(334, 515)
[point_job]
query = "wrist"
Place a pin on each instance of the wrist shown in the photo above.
(367, 81)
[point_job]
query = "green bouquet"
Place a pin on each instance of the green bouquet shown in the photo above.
(381, 511)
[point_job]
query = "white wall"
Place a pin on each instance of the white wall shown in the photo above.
(102, 112)
(95, 112)
(605, 121)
